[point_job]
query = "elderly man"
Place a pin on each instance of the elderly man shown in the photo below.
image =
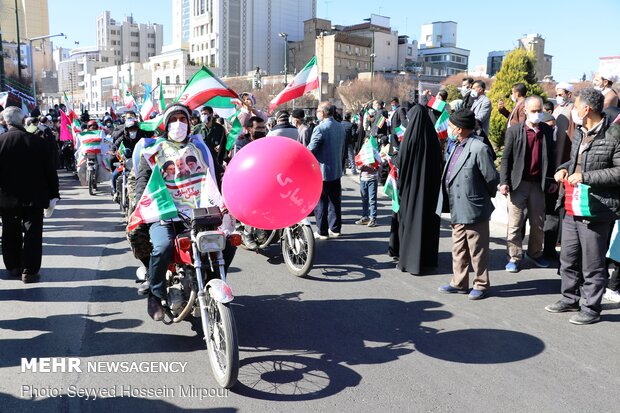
(594, 161)
(481, 106)
(603, 82)
(526, 172)
(298, 116)
(518, 112)
(24, 196)
(469, 181)
(327, 144)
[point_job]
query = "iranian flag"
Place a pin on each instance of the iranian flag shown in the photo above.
(399, 131)
(305, 81)
(151, 125)
(155, 204)
(203, 87)
(90, 142)
(380, 121)
(234, 132)
(368, 154)
(441, 126)
(436, 104)
(147, 106)
(224, 106)
(576, 199)
(390, 189)
(71, 112)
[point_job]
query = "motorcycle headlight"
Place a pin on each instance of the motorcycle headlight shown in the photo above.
(211, 241)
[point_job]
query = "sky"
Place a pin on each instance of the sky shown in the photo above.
(576, 33)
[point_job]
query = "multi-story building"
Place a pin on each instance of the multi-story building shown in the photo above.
(407, 53)
(438, 53)
(82, 61)
(33, 20)
(384, 41)
(234, 37)
(129, 41)
(104, 87)
(173, 69)
(610, 64)
(494, 61)
(536, 44)
(343, 55)
(180, 25)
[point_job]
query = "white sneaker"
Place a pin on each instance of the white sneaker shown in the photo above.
(319, 236)
(333, 234)
(611, 295)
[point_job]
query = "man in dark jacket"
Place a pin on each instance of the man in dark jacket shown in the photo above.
(213, 134)
(126, 135)
(24, 196)
(526, 173)
(469, 181)
(594, 161)
(350, 133)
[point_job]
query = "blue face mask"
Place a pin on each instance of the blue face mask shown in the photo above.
(451, 135)
(394, 107)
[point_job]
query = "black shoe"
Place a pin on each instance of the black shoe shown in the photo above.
(154, 308)
(28, 278)
(562, 307)
(583, 318)
(15, 273)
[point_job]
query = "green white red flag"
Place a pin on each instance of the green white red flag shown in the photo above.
(436, 104)
(203, 87)
(576, 200)
(399, 131)
(390, 189)
(441, 126)
(381, 121)
(305, 81)
(155, 204)
(368, 154)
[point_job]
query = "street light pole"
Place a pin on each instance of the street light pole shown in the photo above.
(285, 36)
(34, 90)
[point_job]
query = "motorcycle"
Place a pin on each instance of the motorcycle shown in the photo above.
(122, 183)
(297, 242)
(196, 285)
(68, 155)
(91, 172)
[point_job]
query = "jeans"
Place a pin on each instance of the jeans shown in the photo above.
(328, 211)
(115, 175)
(368, 190)
(22, 238)
(162, 237)
(351, 156)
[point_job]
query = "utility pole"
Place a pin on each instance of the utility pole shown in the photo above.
(285, 36)
(19, 49)
(1, 63)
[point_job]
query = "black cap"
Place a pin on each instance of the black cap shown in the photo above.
(298, 113)
(463, 118)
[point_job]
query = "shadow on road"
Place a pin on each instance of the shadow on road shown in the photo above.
(98, 293)
(327, 335)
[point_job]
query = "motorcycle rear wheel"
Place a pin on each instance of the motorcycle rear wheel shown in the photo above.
(222, 343)
(299, 257)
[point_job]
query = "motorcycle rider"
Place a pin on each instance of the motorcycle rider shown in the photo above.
(176, 145)
(128, 136)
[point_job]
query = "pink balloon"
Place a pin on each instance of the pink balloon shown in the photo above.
(272, 183)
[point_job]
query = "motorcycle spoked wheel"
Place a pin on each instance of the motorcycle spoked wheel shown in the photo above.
(92, 184)
(222, 344)
(298, 255)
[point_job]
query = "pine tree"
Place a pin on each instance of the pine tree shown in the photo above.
(518, 66)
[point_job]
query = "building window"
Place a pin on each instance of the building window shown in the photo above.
(428, 38)
(438, 37)
(338, 62)
(212, 43)
(357, 51)
(337, 46)
(348, 49)
(135, 34)
(366, 65)
(178, 79)
(135, 54)
(212, 61)
(151, 46)
(167, 80)
(365, 52)
(388, 43)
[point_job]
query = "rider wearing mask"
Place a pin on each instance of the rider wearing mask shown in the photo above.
(177, 146)
(127, 135)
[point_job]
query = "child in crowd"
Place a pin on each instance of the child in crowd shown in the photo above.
(369, 182)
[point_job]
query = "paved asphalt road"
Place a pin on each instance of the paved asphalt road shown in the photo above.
(355, 335)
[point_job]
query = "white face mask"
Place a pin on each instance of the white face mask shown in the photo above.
(474, 94)
(575, 116)
(599, 88)
(130, 122)
(133, 134)
(205, 118)
(177, 131)
(560, 100)
(534, 118)
(513, 98)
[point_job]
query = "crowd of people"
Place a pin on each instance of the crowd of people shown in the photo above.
(442, 162)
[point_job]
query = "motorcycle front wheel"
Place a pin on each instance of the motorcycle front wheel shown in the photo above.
(222, 344)
(298, 251)
(91, 181)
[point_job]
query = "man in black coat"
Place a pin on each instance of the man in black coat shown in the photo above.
(28, 181)
(526, 173)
